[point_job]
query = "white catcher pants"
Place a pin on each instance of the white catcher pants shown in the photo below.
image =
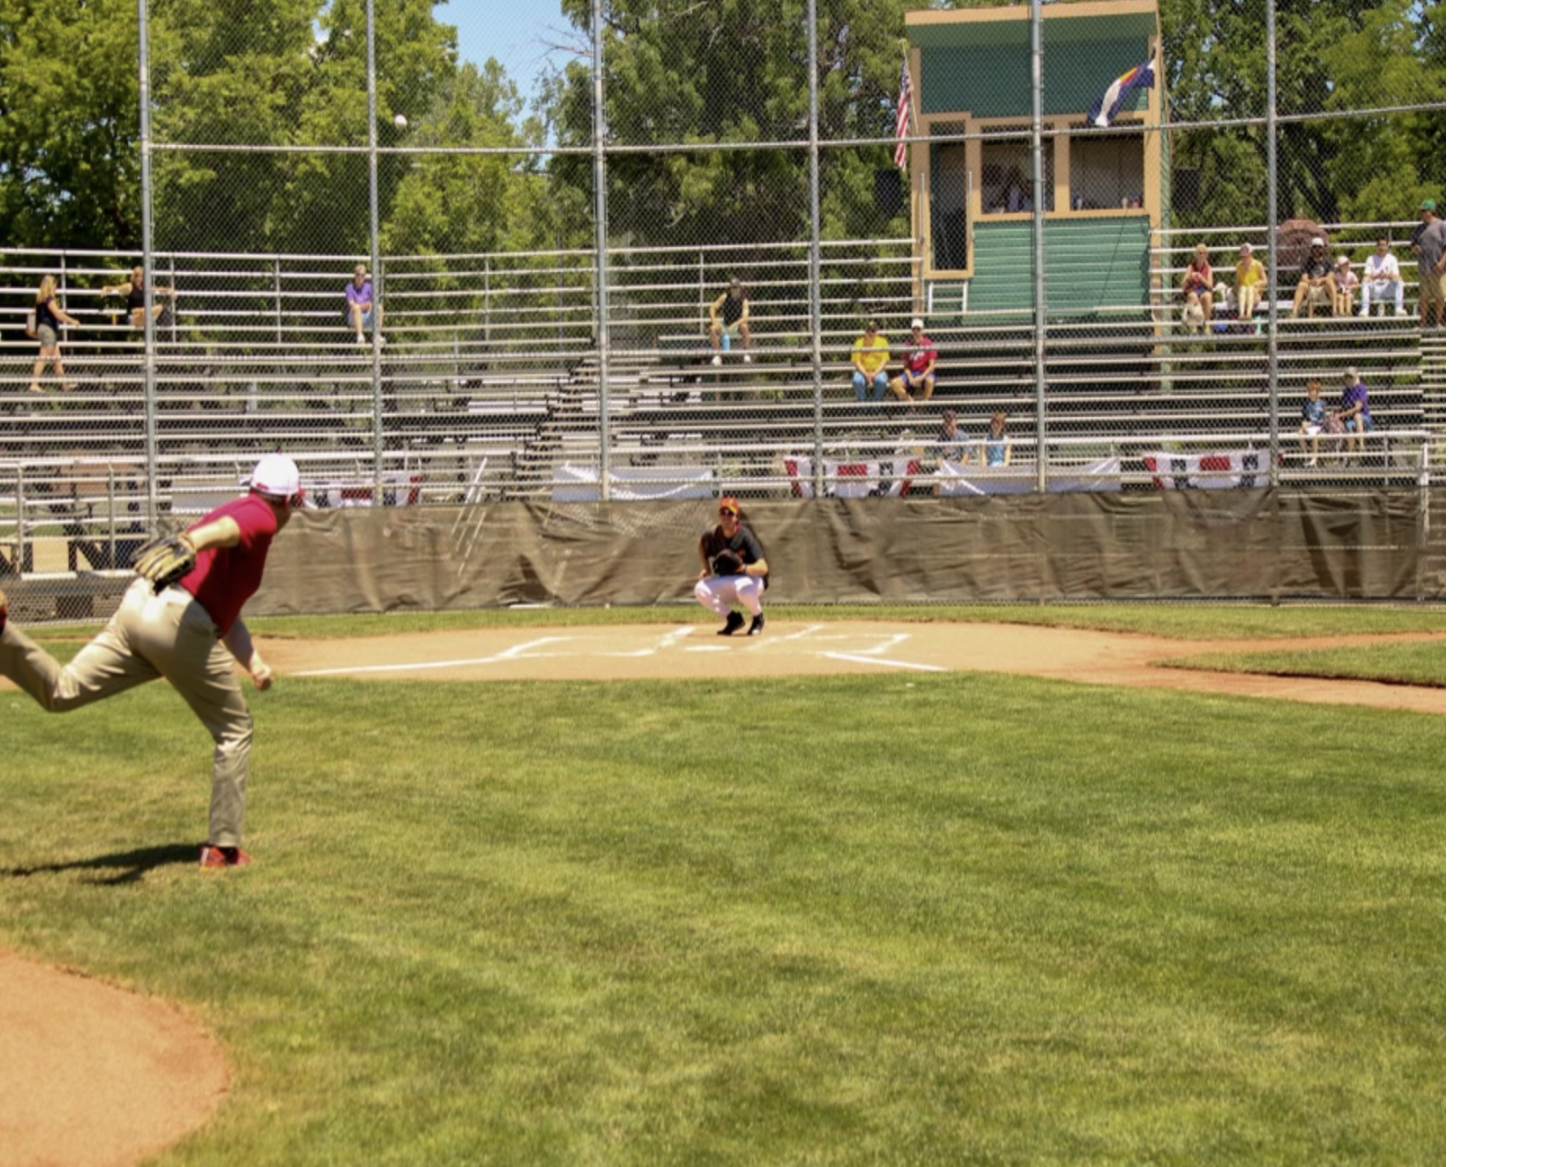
(720, 593)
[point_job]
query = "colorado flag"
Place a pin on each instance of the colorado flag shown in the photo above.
(1108, 105)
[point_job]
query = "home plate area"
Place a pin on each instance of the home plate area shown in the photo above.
(620, 653)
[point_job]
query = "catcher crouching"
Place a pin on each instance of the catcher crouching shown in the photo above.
(181, 620)
(734, 571)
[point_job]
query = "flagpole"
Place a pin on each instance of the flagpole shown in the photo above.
(1039, 356)
(915, 212)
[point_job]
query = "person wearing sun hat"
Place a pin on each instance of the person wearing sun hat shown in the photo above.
(734, 570)
(1345, 284)
(1430, 243)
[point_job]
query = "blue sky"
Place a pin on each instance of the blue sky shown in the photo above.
(508, 30)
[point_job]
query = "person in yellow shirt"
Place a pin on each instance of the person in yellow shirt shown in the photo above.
(1251, 282)
(871, 354)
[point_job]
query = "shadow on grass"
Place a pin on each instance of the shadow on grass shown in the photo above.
(129, 866)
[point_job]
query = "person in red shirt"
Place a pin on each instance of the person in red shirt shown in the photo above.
(918, 366)
(192, 633)
(1199, 284)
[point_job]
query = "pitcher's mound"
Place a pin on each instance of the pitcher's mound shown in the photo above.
(96, 1076)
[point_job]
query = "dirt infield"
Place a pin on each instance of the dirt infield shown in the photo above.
(815, 647)
(95, 1075)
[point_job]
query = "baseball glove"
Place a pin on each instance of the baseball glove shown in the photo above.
(164, 561)
(726, 562)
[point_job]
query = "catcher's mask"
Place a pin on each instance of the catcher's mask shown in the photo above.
(277, 476)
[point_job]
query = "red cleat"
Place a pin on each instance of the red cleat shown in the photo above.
(214, 857)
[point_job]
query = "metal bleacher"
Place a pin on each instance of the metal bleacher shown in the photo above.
(488, 386)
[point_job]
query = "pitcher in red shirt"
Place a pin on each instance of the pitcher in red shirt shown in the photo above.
(192, 633)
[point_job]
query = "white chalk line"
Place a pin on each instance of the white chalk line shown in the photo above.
(506, 655)
(666, 641)
(884, 663)
(767, 639)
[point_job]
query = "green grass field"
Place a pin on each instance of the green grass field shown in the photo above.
(1424, 663)
(948, 919)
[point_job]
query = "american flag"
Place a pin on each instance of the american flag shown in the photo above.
(904, 115)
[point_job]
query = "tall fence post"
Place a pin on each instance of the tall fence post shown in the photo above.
(818, 462)
(1039, 324)
(147, 238)
(601, 262)
(1272, 161)
(374, 258)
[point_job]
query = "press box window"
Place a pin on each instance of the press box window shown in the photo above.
(1107, 171)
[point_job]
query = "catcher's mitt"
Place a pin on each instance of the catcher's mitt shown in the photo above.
(165, 561)
(726, 562)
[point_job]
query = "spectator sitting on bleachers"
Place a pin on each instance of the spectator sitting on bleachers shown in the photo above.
(732, 310)
(1199, 283)
(361, 309)
(918, 366)
(1345, 283)
(995, 449)
(47, 322)
(951, 440)
(1381, 279)
(1250, 281)
(1355, 413)
(134, 292)
(1315, 421)
(871, 353)
(1317, 285)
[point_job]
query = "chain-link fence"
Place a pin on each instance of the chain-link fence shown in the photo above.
(774, 247)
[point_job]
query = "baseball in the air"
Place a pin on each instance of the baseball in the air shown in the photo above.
(400, 122)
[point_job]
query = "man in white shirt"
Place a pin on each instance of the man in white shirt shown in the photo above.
(1381, 279)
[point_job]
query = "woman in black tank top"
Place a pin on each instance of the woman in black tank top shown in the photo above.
(50, 321)
(134, 292)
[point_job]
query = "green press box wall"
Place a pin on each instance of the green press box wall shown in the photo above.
(1087, 263)
(986, 69)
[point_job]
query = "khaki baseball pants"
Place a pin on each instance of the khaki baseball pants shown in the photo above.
(169, 635)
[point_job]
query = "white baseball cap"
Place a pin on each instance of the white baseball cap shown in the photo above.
(917, 323)
(277, 475)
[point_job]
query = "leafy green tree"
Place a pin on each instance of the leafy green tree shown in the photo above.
(1331, 56)
(69, 125)
(733, 72)
(224, 75)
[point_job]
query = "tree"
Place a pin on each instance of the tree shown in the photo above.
(731, 73)
(1331, 56)
(69, 125)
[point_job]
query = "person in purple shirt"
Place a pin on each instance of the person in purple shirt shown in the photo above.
(360, 307)
(1355, 413)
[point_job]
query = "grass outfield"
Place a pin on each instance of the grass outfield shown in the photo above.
(948, 919)
(1397, 664)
